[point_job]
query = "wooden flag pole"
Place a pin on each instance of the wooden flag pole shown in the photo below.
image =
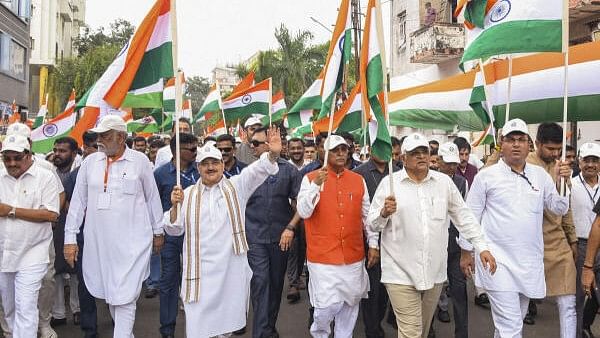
(510, 72)
(218, 88)
(178, 94)
(565, 49)
(270, 101)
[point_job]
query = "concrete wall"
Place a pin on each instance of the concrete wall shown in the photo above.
(11, 87)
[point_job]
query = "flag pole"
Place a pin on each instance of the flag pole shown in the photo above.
(488, 103)
(220, 100)
(510, 72)
(178, 95)
(565, 50)
(329, 130)
(270, 101)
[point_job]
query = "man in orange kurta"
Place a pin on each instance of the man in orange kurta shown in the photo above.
(334, 203)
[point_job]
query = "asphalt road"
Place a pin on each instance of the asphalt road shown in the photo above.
(293, 322)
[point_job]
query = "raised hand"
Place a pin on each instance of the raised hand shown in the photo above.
(274, 141)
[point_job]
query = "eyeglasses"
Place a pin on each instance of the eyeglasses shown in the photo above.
(513, 140)
(225, 150)
(256, 143)
(191, 150)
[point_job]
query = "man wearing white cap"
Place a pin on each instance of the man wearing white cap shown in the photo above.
(335, 226)
(509, 199)
(216, 275)
(117, 195)
(584, 195)
(47, 292)
(244, 152)
(448, 162)
(413, 221)
(26, 213)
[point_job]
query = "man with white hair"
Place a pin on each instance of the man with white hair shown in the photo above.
(117, 195)
(210, 216)
(509, 198)
(26, 213)
(414, 220)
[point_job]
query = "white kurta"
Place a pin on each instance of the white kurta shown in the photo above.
(224, 276)
(118, 229)
(511, 213)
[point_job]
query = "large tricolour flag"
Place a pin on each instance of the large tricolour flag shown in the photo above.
(254, 100)
(371, 79)
(496, 27)
(337, 57)
(43, 137)
(141, 65)
(346, 119)
(301, 112)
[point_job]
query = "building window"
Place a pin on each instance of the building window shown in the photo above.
(21, 8)
(12, 57)
(401, 30)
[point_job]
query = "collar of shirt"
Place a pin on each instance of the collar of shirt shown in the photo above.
(127, 156)
(403, 175)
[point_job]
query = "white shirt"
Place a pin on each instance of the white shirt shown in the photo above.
(119, 224)
(163, 155)
(225, 277)
(418, 254)
(511, 210)
(22, 243)
(583, 199)
(299, 167)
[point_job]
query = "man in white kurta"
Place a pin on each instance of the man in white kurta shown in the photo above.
(216, 275)
(509, 198)
(117, 195)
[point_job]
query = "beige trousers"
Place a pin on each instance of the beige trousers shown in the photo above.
(413, 308)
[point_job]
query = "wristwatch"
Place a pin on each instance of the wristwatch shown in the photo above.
(291, 227)
(12, 212)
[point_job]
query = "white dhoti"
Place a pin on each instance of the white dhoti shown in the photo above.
(19, 291)
(124, 318)
(335, 293)
(508, 310)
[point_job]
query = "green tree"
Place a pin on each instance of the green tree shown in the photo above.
(119, 34)
(197, 88)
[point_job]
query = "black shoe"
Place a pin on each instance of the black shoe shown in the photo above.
(587, 333)
(443, 316)
(293, 295)
(240, 331)
(151, 293)
(168, 336)
(529, 320)
(483, 301)
(76, 318)
(532, 308)
(54, 322)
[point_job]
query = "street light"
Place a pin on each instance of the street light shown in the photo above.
(320, 24)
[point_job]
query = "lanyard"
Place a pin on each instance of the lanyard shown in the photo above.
(592, 197)
(522, 175)
(108, 163)
(190, 178)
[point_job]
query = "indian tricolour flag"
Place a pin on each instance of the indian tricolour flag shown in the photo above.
(299, 119)
(537, 86)
(309, 102)
(41, 115)
(212, 103)
(480, 105)
(372, 81)
(337, 57)
(138, 69)
(278, 109)
(346, 119)
(254, 100)
(496, 27)
(44, 136)
(146, 124)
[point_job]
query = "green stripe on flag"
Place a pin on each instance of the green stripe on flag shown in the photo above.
(157, 63)
(313, 102)
(242, 112)
(147, 100)
(447, 120)
(475, 12)
(46, 145)
(533, 36)
(351, 122)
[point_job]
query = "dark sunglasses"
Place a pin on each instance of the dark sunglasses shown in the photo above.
(226, 150)
(256, 143)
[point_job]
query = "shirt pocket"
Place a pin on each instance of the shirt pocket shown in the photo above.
(28, 200)
(439, 208)
(533, 201)
(129, 186)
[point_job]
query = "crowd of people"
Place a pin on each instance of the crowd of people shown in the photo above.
(221, 227)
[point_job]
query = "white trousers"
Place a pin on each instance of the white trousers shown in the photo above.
(124, 317)
(58, 309)
(19, 291)
(567, 314)
(344, 316)
(508, 310)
